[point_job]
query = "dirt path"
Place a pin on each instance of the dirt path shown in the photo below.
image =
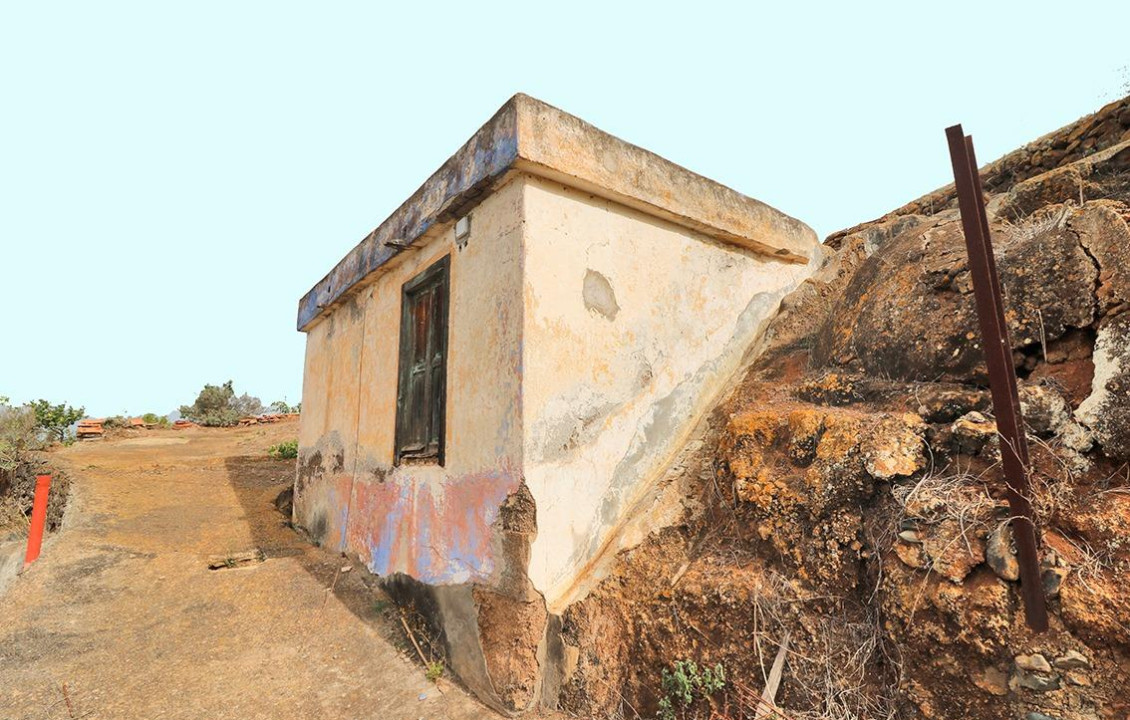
(121, 617)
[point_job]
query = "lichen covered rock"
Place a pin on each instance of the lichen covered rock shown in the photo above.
(1107, 411)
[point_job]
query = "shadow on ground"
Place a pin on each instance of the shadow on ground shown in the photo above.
(257, 482)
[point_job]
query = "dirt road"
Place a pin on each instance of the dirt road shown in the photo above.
(122, 617)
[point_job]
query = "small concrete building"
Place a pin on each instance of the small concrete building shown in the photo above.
(498, 373)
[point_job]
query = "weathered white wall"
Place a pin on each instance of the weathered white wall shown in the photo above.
(632, 328)
(431, 522)
(586, 340)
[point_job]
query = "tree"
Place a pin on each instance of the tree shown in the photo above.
(280, 407)
(247, 405)
(56, 420)
(218, 406)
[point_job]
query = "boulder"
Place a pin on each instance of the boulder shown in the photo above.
(1107, 410)
(908, 312)
(1103, 232)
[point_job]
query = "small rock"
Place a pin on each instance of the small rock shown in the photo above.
(1000, 553)
(1033, 681)
(1038, 716)
(1072, 660)
(953, 551)
(422, 696)
(1033, 663)
(910, 536)
(1077, 678)
(347, 568)
(993, 681)
(1052, 579)
(895, 450)
(972, 431)
(912, 556)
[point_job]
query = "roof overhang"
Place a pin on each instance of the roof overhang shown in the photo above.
(530, 136)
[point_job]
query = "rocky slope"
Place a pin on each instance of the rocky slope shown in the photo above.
(848, 493)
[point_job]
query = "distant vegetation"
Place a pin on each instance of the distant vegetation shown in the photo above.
(33, 426)
(218, 406)
(287, 450)
(280, 407)
(18, 433)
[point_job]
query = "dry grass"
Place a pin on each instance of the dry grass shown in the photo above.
(955, 495)
(1052, 491)
(1024, 229)
(840, 680)
(835, 667)
(1095, 564)
(12, 518)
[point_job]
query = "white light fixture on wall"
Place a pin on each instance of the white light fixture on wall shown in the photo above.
(462, 231)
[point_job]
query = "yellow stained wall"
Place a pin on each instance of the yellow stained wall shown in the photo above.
(431, 522)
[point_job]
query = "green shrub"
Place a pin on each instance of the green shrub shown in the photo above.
(686, 682)
(154, 419)
(218, 406)
(115, 421)
(56, 420)
(287, 450)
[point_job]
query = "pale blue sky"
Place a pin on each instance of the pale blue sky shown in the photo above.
(174, 178)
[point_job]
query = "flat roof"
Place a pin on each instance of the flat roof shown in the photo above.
(531, 136)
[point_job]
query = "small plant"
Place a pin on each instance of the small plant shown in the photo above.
(435, 671)
(380, 606)
(686, 682)
(287, 450)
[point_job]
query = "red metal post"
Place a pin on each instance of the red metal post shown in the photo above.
(1002, 374)
(38, 518)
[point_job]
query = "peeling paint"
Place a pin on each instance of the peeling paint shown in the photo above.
(530, 136)
(599, 295)
(430, 522)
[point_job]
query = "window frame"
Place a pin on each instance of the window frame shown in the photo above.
(435, 277)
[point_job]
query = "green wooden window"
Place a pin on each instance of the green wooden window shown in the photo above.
(421, 399)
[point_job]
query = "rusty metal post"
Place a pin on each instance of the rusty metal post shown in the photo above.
(1002, 374)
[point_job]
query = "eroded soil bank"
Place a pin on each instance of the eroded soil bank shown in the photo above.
(848, 495)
